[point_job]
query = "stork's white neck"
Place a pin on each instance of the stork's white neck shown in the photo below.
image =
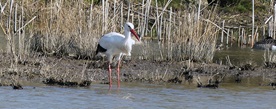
(127, 35)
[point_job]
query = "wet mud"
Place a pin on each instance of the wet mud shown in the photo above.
(70, 72)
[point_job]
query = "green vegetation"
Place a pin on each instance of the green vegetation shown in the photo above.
(243, 6)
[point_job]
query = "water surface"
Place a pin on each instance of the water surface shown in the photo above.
(240, 55)
(137, 96)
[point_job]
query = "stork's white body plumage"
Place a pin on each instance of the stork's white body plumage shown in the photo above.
(115, 45)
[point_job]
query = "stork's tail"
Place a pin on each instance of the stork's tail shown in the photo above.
(100, 49)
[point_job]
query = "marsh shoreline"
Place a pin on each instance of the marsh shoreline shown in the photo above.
(67, 71)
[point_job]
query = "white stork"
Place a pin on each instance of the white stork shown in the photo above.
(115, 45)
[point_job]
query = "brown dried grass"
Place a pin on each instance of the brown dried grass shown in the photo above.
(73, 28)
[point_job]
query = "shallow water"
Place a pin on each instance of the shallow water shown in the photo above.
(240, 55)
(136, 96)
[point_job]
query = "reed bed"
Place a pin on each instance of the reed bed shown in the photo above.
(72, 28)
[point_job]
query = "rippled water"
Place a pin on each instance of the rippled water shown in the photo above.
(136, 96)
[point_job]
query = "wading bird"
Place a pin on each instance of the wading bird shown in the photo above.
(115, 45)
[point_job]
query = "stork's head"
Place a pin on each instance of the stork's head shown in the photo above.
(130, 27)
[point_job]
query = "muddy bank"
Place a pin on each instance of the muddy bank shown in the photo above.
(66, 71)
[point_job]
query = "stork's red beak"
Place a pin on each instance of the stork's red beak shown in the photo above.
(135, 34)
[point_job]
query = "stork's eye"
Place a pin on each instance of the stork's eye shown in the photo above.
(129, 27)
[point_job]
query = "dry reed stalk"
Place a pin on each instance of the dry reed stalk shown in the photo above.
(253, 21)
(158, 28)
(114, 7)
(128, 11)
(103, 18)
(132, 15)
(274, 23)
(227, 37)
(222, 34)
(242, 36)
(122, 16)
(239, 38)
(169, 36)
(264, 32)
(255, 37)
(199, 9)
(232, 38)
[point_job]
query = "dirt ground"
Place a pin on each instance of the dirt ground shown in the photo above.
(67, 71)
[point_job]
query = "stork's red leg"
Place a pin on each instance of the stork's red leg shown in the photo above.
(110, 80)
(118, 74)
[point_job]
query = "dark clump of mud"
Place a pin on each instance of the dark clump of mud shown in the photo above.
(52, 81)
(85, 83)
(212, 86)
(270, 65)
(246, 67)
(17, 87)
(238, 78)
(175, 80)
